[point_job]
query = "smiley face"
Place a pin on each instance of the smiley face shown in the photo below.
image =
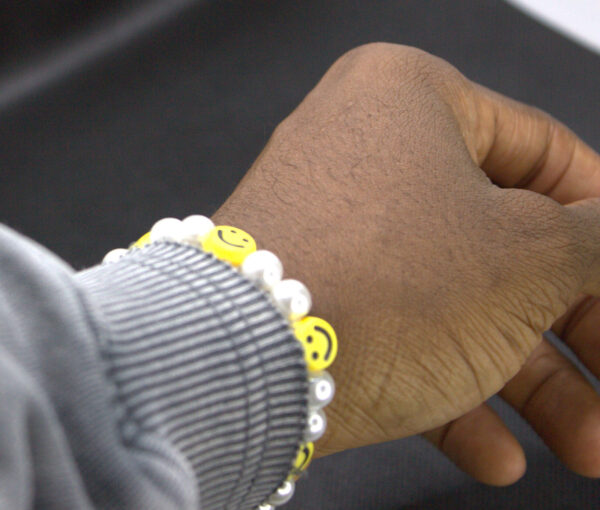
(305, 454)
(319, 341)
(229, 243)
(142, 241)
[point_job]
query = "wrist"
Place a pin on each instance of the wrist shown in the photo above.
(228, 273)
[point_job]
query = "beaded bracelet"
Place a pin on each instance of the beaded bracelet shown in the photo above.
(291, 297)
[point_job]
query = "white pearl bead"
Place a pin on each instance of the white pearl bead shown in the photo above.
(196, 228)
(265, 506)
(167, 229)
(293, 298)
(114, 255)
(321, 390)
(317, 423)
(263, 268)
(282, 495)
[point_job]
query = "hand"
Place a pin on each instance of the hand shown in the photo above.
(441, 228)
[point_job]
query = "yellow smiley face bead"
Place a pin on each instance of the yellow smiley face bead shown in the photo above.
(305, 455)
(229, 243)
(142, 241)
(319, 341)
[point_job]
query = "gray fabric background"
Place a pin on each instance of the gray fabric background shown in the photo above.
(116, 113)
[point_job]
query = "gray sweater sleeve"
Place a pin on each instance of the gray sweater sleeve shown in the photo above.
(162, 381)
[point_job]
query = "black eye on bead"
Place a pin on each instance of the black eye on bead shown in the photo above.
(315, 355)
(309, 339)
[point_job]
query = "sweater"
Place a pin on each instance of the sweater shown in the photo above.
(164, 380)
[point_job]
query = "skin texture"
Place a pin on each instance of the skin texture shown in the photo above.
(441, 228)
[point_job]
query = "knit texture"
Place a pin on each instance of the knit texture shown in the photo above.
(200, 356)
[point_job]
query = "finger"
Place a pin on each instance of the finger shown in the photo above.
(561, 406)
(521, 146)
(579, 328)
(480, 444)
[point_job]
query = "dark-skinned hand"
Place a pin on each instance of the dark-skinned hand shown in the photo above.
(441, 228)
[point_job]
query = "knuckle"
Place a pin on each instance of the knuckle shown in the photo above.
(383, 63)
(395, 73)
(371, 50)
(371, 54)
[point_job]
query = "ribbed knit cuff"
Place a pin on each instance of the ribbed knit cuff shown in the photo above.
(201, 357)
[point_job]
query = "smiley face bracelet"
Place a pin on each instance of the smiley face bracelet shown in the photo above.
(291, 297)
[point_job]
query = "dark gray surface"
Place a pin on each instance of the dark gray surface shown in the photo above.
(166, 123)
